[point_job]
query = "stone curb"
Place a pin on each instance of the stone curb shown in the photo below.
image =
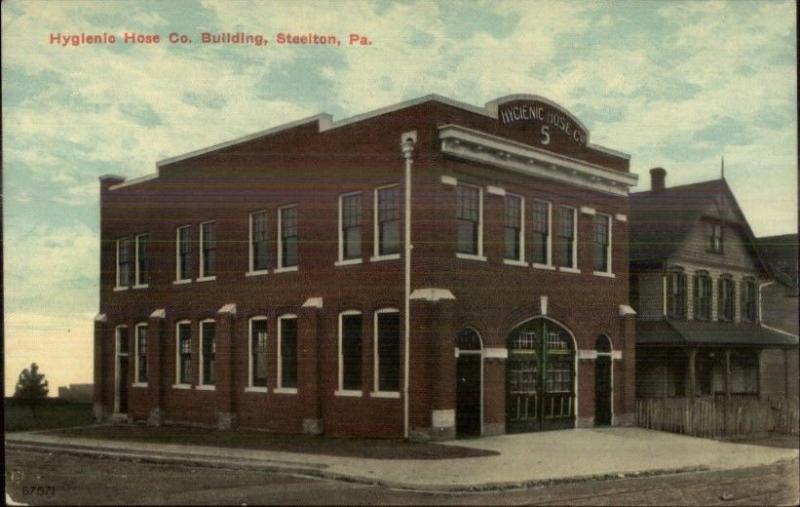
(319, 470)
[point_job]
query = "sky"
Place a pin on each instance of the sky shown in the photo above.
(674, 84)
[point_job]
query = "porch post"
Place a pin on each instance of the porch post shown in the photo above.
(692, 357)
(727, 374)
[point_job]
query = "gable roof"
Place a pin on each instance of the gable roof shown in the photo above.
(780, 253)
(661, 220)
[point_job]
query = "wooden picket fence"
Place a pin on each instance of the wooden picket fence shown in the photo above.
(718, 418)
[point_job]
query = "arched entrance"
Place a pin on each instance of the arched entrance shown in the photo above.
(469, 383)
(602, 382)
(540, 377)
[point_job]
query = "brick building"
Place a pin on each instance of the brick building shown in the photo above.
(697, 280)
(271, 282)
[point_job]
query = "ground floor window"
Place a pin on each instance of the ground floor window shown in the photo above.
(258, 352)
(141, 353)
(184, 350)
(350, 351)
(208, 352)
(387, 348)
(287, 351)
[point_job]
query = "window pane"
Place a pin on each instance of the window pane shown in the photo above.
(258, 333)
(185, 353)
(388, 352)
(467, 237)
(541, 232)
(352, 242)
(122, 340)
(289, 237)
(601, 223)
(209, 248)
(141, 337)
(513, 228)
(389, 237)
(289, 353)
(184, 269)
(259, 240)
(351, 352)
(123, 262)
(389, 204)
(143, 274)
(209, 352)
(467, 203)
(512, 244)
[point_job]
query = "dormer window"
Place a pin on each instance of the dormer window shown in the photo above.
(715, 238)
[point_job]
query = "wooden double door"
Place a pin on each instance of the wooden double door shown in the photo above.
(540, 378)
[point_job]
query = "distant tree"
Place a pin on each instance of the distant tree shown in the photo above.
(31, 387)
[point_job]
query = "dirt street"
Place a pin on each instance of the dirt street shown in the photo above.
(47, 478)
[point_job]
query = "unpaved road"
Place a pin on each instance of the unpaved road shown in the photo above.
(51, 478)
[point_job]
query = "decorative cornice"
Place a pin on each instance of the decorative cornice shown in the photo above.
(481, 147)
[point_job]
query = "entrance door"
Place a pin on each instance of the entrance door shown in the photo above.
(602, 390)
(122, 371)
(469, 385)
(540, 378)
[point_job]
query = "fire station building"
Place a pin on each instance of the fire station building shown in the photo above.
(431, 269)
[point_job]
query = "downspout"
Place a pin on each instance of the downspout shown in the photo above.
(407, 146)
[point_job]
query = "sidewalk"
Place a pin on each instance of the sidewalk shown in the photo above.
(523, 460)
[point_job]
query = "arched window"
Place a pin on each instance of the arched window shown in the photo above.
(603, 344)
(676, 293)
(702, 296)
(468, 339)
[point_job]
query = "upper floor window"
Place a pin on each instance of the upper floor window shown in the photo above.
(749, 300)
(541, 232)
(349, 227)
(715, 238)
(725, 308)
(208, 249)
(123, 262)
(567, 228)
(469, 216)
(287, 352)
(258, 352)
(182, 253)
(141, 353)
(387, 221)
(258, 241)
(387, 350)
(602, 243)
(287, 237)
(676, 294)
(513, 239)
(183, 345)
(142, 260)
(350, 325)
(208, 352)
(702, 296)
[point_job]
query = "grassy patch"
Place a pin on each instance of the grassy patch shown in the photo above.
(49, 414)
(258, 440)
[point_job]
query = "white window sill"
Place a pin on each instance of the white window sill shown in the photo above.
(286, 269)
(139, 384)
(206, 279)
(255, 389)
(206, 388)
(181, 282)
(470, 257)
(285, 390)
(385, 394)
(348, 262)
(181, 386)
(348, 393)
(387, 257)
(570, 270)
(604, 274)
(120, 289)
(257, 273)
(144, 286)
(548, 267)
(513, 262)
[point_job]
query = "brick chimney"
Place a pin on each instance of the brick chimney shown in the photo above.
(658, 178)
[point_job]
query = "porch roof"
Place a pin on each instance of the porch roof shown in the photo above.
(680, 332)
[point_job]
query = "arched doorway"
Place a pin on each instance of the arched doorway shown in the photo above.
(540, 377)
(603, 382)
(469, 383)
